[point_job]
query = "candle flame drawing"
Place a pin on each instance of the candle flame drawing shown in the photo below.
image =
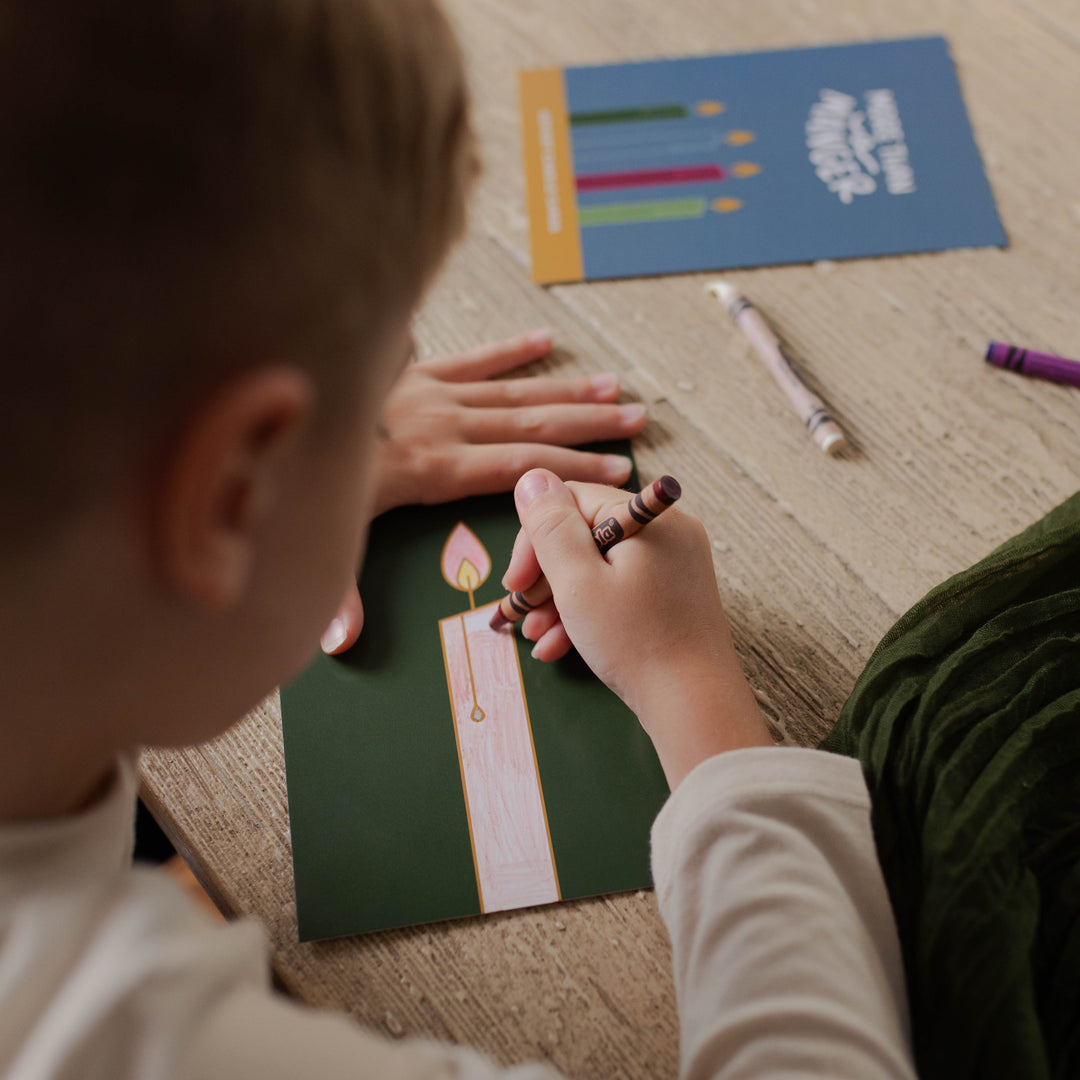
(465, 561)
(466, 566)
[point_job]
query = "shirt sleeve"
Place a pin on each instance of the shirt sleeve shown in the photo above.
(786, 956)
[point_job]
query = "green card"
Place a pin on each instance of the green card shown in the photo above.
(437, 770)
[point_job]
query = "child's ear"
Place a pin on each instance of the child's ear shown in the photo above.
(220, 481)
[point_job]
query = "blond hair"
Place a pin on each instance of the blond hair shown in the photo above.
(191, 186)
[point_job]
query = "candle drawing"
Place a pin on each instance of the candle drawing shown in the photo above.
(630, 213)
(629, 116)
(630, 178)
(500, 778)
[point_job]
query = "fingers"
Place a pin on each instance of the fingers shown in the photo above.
(554, 645)
(558, 533)
(523, 569)
(597, 501)
(346, 625)
(539, 621)
(565, 425)
(491, 360)
(594, 501)
(485, 469)
(539, 390)
(543, 625)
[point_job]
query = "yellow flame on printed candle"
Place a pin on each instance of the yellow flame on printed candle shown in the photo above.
(726, 205)
(465, 562)
(709, 108)
(743, 169)
(739, 138)
(468, 577)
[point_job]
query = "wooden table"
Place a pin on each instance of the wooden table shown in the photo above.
(816, 557)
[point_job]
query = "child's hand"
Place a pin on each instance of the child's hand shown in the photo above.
(647, 618)
(452, 430)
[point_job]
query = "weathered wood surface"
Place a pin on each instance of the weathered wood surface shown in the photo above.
(816, 557)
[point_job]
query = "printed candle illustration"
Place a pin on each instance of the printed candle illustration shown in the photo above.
(504, 800)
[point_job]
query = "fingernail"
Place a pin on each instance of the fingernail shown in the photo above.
(616, 468)
(335, 635)
(530, 486)
(534, 650)
(540, 338)
(632, 414)
(604, 384)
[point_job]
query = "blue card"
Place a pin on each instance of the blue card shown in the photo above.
(711, 162)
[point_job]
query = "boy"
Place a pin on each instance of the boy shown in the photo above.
(218, 217)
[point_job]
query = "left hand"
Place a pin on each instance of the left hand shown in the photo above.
(453, 429)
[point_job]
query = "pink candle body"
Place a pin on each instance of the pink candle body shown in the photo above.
(515, 864)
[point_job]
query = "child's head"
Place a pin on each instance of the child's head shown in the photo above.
(217, 216)
(188, 187)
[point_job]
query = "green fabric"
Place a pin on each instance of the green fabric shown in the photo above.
(967, 724)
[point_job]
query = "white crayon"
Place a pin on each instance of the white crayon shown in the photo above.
(815, 414)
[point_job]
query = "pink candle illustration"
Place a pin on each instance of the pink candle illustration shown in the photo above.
(504, 800)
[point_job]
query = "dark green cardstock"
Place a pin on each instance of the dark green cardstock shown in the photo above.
(380, 833)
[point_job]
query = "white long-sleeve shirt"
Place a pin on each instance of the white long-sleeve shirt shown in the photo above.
(786, 957)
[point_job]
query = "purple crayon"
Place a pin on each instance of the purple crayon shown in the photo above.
(1041, 365)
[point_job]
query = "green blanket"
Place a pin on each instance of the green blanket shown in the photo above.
(967, 724)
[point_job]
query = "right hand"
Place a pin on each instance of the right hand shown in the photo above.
(647, 618)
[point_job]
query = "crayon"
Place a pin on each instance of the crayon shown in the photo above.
(639, 510)
(825, 431)
(1040, 365)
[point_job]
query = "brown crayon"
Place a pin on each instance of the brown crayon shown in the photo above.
(640, 509)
